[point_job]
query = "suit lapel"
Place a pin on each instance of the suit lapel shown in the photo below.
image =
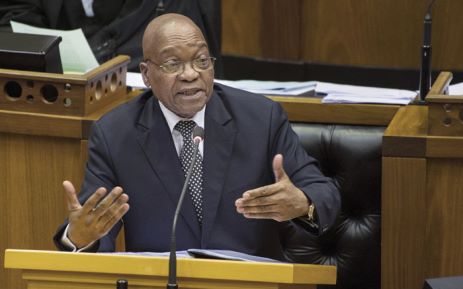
(156, 141)
(219, 138)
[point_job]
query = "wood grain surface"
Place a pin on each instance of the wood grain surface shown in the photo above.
(344, 32)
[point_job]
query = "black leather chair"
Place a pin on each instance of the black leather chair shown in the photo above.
(351, 155)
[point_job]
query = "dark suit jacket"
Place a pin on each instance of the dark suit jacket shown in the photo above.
(132, 147)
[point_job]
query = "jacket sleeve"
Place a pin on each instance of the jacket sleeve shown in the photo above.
(303, 170)
(99, 172)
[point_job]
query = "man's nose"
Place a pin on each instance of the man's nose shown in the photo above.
(188, 73)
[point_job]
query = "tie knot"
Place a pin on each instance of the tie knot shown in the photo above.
(185, 128)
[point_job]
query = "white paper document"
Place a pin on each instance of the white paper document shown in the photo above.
(76, 55)
(341, 93)
(456, 89)
(289, 88)
(206, 254)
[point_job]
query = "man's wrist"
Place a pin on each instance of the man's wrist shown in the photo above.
(66, 241)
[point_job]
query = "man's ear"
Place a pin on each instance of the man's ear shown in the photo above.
(144, 70)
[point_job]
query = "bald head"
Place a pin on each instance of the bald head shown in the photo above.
(174, 42)
(166, 24)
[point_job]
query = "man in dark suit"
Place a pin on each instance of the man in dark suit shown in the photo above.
(113, 27)
(259, 190)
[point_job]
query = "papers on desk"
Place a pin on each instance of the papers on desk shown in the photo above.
(333, 93)
(76, 55)
(456, 89)
(289, 88)
(341, 93)
(206, 254)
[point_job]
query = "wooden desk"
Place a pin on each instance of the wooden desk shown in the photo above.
(422, 202)
(47, 269)
(39, 151)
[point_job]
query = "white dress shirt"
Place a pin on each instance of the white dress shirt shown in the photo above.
(172, 119)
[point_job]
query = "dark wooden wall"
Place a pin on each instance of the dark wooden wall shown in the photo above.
(346, 32)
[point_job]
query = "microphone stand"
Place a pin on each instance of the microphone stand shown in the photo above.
(172, 279)
(426, 49)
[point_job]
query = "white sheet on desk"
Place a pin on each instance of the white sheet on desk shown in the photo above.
(342, 93)
(456, 89)
(271, 87)
(350, 98)
(373, 92)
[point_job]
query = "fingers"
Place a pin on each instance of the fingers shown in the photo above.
(265, 209)
(271, 215)
(97, 216)
(100, 207)
(257, 197)
(111, 209)
(278, 169)
(116, 212)
(280, 201)
(71, 197)
(94, 200)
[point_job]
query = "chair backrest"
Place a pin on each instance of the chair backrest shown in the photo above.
(351, 156)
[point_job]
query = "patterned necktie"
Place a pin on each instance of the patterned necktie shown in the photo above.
(186, 155)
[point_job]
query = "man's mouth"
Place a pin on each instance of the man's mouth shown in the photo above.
(189, 92)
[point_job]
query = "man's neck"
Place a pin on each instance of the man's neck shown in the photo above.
(172, 119)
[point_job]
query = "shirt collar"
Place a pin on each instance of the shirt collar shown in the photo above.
(172, 119)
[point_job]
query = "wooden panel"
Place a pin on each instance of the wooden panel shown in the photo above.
(404, 206)
(241, 27)
(53, 125)
(281, 34)
(444, 232)
(346, 32)
(64, 94)
(40, 124)
(312, 110)
(405, 135)
(31, 196)
(444, 147)
(447, 23)
(376, 33)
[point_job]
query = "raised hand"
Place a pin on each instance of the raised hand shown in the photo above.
(280, 201)
(93, 220)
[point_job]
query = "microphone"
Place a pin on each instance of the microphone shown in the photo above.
(159, 8)
(425, 72)
(197, 136)
(122, 284)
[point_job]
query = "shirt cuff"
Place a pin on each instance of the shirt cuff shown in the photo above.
(68, 243)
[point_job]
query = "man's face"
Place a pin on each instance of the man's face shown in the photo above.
(187, 91)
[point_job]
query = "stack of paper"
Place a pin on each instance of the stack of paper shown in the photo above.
(340, 93)
(290, 88)
(333, 93)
